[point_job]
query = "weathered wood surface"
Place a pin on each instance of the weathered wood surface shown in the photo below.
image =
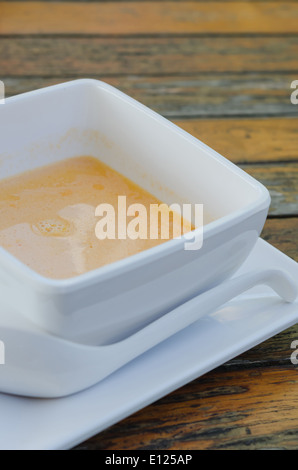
(283, 234)
(222, 410)
(222, 71)
(248, 140)
(188, 96)
(73, 56)
(133, 18)
(90, 1)
(282, 182)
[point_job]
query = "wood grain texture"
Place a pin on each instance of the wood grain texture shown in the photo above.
(133, 18)
(90, 1)
(282, 182)
(72, 56)
(255, 409)
(283, 234)
(188, 96)
(248, 140)
(273, 352)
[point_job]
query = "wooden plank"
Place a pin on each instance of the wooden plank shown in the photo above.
(248, 140)
(89, 1)
(283, 234)
(282, 182)
(221, 410)
(70, 56)
(273, 352)
(208, 95)
(148, 18)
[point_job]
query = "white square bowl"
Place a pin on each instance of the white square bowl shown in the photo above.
(89, 117)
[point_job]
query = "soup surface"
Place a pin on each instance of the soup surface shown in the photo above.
(48, 221)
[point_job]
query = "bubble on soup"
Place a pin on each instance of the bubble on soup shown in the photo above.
(57, 227)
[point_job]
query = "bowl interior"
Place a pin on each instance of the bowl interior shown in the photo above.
(87, 117)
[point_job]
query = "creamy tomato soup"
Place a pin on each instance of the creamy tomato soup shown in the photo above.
(48, 217)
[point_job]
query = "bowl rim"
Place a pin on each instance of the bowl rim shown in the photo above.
(129, 263)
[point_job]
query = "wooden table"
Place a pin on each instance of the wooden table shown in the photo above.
(222, 71)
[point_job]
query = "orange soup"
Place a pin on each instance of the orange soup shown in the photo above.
(48, 218)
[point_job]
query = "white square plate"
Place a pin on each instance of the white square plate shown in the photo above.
(30, 423)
